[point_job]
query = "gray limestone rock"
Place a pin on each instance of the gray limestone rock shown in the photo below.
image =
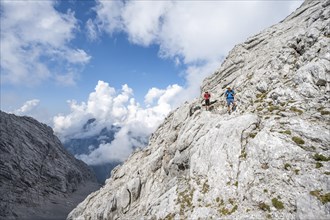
(38, 178)
(269, 159)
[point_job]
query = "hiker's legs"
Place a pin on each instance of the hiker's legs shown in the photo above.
(228, 105)
(207, 104)
(230, 102)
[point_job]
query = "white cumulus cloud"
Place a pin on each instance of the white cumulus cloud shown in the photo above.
(27, 106)
(153, 94)
(33, 108)
(193, 30)
(35, 36)
(110, 107)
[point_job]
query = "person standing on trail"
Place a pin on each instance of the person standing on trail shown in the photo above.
(207, 97)
(230, 98)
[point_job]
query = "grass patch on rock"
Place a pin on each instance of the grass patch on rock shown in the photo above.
(325, 112)
(324, 198)
(264, 207)
(252, 135)
(318, 165)
(273, 108)
(320, 157)
(288, 132)
(206, 187)
(261, 96)
(298, 140)
(277, 203)
(169, 216)
(185, 200)
(295, 109)
(243, 154)
(225, 211)
(287, 166)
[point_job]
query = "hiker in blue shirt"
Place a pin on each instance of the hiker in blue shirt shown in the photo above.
(230, 97)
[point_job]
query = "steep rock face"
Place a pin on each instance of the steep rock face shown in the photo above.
(38, 178)
(269, 159)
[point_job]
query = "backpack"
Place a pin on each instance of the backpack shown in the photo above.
(230, 94)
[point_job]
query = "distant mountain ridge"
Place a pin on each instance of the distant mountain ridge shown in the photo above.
(270, 159)
(90, 139)
(39, 179)
(85, 144)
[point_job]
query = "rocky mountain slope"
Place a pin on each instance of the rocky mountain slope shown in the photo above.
(267, 160)
(38, 178)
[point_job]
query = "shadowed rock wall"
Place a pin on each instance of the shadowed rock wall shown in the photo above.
(36, 173)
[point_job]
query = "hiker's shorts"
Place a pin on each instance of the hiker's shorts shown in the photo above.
(207, 102)
(229, 101)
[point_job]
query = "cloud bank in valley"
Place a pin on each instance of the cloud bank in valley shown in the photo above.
(119, 108)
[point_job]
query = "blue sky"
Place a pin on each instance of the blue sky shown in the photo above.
(123, 62)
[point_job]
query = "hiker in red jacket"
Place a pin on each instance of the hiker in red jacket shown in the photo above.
(207, 97)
